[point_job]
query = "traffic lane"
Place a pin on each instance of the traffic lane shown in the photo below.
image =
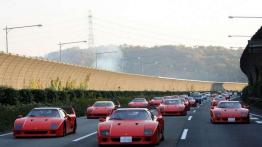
(201, 132)
(173, 128)
(84, 126)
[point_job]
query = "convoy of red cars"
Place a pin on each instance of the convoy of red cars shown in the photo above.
(142, 122)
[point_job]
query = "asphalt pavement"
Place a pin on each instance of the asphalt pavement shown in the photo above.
(193, 130)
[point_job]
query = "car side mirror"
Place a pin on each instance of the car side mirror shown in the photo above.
(19, 116)
(68, 117)
(102, 119)
(246, 106)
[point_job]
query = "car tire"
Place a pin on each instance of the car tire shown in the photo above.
(64, 129)
(163, 136)
(75, 127)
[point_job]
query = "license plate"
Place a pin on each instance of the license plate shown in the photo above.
(126, 139)
(231, 119)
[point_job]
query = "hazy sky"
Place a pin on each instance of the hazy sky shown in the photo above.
(136, 22)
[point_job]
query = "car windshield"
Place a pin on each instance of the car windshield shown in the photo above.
(190, 98)
(130, 115)
(229, 105)
(44, 113)
(139, 100)
(219, 98)
(172, 101)
(103, 104)
(157, 98)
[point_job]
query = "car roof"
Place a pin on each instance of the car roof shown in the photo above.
(132, 109)
(104, 102)
(57, 108)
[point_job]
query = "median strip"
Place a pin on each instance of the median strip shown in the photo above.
(1, 135)
(184, 134)
(83, 137)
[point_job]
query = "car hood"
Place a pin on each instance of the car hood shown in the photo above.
(130, 128)
(39, 123)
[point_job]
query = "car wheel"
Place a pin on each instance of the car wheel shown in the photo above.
(64, 129)
(75, 127)
(162, 136)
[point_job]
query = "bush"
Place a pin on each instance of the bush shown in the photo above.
(8, 96)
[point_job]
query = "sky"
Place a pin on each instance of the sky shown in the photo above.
(133, 22)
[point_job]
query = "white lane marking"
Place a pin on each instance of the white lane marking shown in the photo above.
(256, 115)
(194, 111)
(1, 135)
(184, 134)
(259, 122)
(189, 118)
(83, 137)
(253, 118)
(198, 106)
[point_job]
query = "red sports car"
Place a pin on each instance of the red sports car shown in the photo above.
(192, 102)
(217, 99)
(229, 112)
(45, 121)
(173, 107)
(131, 126)
(138, 103)
(155, 101)
(186, 103)
(100, 109)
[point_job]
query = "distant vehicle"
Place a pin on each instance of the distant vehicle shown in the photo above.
(155, 101)
(173, 107)
(100, 109)
(197, 96)
(217, 99)
(45, 121)
(229, 112)
(138, 103)
(192, 102)
(133, 126)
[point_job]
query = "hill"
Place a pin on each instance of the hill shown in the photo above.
(198, 63)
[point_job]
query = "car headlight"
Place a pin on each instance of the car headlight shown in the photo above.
(104, 132)
(18, 126)
(54, 126)
(244, 114)
(148, 132)
(218, 114)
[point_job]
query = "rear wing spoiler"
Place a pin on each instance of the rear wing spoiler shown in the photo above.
(69, 110)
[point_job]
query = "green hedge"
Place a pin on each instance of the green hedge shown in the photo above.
(15, 102)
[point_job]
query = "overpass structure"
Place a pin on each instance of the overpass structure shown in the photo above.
(24, 72)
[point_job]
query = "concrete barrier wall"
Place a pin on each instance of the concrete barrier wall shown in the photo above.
(23, 72)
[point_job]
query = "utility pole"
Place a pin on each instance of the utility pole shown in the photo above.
(6, 39)
(90, 31)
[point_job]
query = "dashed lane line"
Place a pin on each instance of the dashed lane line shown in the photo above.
(259, 122)
(184, 134)
(253, 118)
(194, 111)
(189, 118)
(1, 135)
(83, 137)
(256, 115)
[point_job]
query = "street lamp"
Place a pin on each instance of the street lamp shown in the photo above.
(65, 43)
(100, 53)
(231, 17)
(19, 27)
(238, 36)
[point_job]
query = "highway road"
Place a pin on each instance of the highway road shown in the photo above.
(193, 130)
